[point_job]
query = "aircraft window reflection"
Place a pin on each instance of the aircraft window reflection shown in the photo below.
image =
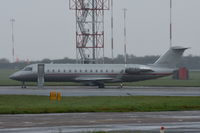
(28, 69)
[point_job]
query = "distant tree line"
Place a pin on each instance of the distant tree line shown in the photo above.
(191, 62)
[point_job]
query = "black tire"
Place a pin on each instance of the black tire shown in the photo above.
(101, 85)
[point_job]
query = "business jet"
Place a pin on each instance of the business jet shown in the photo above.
(98, 74)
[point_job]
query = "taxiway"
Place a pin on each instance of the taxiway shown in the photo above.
(182, 121)
(108, 91)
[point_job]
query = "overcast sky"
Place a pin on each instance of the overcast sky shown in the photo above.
(46, 28)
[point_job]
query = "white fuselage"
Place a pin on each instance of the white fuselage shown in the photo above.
(100, 73)
(91, 73)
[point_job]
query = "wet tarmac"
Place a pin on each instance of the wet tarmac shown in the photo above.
(148, 122)
(108, 91)
(175, 122)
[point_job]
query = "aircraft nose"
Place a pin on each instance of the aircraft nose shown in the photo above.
(14, 76)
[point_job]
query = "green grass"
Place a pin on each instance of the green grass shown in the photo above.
(100, 132)
(12, 104)
(4, 77)
(167, 81)
(194, 81)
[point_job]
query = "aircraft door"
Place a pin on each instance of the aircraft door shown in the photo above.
(40, 74)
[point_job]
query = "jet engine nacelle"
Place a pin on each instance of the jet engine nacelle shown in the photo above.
(137, 70)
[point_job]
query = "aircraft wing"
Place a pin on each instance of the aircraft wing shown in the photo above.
(93, 78)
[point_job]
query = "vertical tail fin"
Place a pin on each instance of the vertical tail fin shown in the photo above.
(171, 58)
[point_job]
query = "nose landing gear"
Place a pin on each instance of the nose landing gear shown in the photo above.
(101, 85)
(121, 85)
(23, 85)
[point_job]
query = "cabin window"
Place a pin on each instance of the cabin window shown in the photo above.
(112, 71)
(58, 70)
(101, 71)
(75, 71)
(106, 71)
(80, 71)
(28, 69)
(85, 70)
(70, 71)
(48, 70)
(91, 71)
(64, 71)
(96, 71)
(53, 70)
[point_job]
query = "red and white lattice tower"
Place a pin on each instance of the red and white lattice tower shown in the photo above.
(90, 29)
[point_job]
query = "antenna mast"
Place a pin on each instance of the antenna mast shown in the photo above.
(13, 39)
(112, 30)
(170, 23)
(90, 29)
(125, 57)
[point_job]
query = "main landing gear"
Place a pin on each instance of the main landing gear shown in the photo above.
(23, 85)
(101, 85)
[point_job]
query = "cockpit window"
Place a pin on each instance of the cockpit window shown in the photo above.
(28, 69)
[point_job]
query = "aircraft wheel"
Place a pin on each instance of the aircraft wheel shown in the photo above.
(23, 85)
(101, 85)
